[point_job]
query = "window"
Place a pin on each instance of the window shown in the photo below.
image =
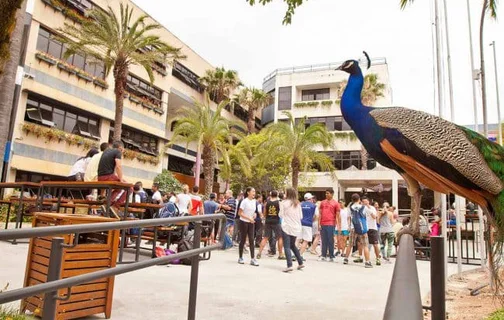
(80, 5)
(284, 98)
(180, 165)
(185, 75)
(331, 123)
(341, 125)
(346, 159)
(315, 94)
(51, 113)
(144, 90)
(137, 140)
(46, 42)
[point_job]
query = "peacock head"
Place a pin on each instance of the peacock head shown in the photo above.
(352, 66)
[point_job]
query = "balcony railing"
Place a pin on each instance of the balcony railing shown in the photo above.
(187, 76)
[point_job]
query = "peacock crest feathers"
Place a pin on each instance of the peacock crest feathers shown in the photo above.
(447, 142)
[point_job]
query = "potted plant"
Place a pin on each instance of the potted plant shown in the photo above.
(146, 104)
(312, 104)
(72, 15)
(84, 75)
(338, 101)
(135, 99)
(68, 68)
(300, 104)
(100, 83)
(158, 110)
(327, 103)
(46, 58)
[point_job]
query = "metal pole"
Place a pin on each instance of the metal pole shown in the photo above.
(404, 300)
(438, 304)
(473, 72)
(448, 54)
(53, 274)
(444, 230)
(459, 233)
(497, 94)
(482, 242)
(193, 288)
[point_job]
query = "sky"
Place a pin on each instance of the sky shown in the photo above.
(253, 41)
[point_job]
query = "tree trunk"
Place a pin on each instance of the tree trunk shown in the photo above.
(251, 120)
(120, 76)
(482, 69)
(295, 166)
(7, 78)
(208, 156)
(9, 15)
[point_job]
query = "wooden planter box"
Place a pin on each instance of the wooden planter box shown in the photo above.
(95, 251)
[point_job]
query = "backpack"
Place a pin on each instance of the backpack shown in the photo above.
(227, 243)
(170, 209)
(359, 220)
(185, 245)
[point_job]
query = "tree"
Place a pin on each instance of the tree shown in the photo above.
(11, 37)
(167, 182)
(220, 83)
(200, 124)
(291, 7)
(233, 158)
(299, 144)
(489, 6)
(254, 99)
(119, 42)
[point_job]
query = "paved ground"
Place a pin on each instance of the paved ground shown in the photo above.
(231, 291)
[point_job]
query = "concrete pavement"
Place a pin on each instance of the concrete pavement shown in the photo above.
(230, 291)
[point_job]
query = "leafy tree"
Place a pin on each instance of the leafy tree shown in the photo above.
(209, 129)
(8, 10)
(299, 144)
(254, 99)
(167, 182)
(291, 7)
(119, 42)
(220, 83)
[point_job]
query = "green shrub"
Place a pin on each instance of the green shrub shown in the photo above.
(167, 182)
(497, 315)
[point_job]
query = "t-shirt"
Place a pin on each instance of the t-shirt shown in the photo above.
(107, 162)
(258, 211)
(79, 166)
(344, 219)
(231, 202)
(196, 204)
(371, 222)
(308, 212)
(249, 208)
(183, 202)
(272, 211)
(140, 196)
(291, 217)
(328, 211)
(92, 168)
(210, 206)
(157, 197)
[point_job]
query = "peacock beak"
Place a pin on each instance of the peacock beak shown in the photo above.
(339, 68)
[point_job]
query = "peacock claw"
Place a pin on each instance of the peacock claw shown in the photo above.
(407, 230)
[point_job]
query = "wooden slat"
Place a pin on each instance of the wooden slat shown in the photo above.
(76, 272)
(80, 313)
(81, 305)
(32, 282)
(42, 251)
(38, 276)
(87, 255)
(42, 243)
(87, 288)
(35, 302)
(40, 259)
(39, 267)
(93, 295)
(86, 264)
(89, 247)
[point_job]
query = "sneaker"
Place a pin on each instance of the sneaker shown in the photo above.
(293, 258)
(331, 260)
(337, 254)
(322, 259)
(287, 270)
(241, 261)
(258, 256)
(358, 260)
(378, 262)
(271, 254)
(368, 264)
(313, 252)
(301, 266)
(345, 261)
(386, 259)
(282, 258)
(254, 263)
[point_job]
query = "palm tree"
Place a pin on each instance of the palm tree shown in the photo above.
(233, 157)
(220, 83)
(200, 124)
(119, 42)
(11, 35)
(299, 144)
(254, 99)
(372, 90)
(489, 6)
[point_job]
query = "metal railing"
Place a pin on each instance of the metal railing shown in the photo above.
(54, 283)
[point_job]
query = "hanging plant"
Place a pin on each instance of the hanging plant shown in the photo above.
(100, 83)
(338, 101)
(51, 134)
(135, 99)
(300, 104)
(313, 103)
(68, 68)
(327, 103)
(345, 135)
(46, 58)
(141, 157)
(84, 75)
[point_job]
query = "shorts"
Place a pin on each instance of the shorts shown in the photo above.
(270, 228)
(230, 223)
(315, 229)
(373, 236)
(344, 233)
(361, 239)
(306, 234)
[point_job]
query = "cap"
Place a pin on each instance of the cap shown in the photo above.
(308, 196)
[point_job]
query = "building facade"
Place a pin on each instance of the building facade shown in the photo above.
(314, 93)
(68, 105)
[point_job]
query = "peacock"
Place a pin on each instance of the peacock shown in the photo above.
(425, 149)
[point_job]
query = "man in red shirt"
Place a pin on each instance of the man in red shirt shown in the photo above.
(329, 219)
(196, 202)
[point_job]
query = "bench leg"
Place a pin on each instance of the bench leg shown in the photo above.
(8, 216)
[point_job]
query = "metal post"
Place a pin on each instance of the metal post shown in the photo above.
(448, 54)
(444, 230)
(193, 289)
(459, 233)
(473, 72)
(53, 274)
(481, 236)
(438, 305)
(497, 93)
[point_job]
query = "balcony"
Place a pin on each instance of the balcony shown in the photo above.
(187, 76)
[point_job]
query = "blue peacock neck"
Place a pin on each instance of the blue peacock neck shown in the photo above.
(351, 104)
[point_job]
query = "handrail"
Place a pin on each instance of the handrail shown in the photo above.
(404, 299)
(53, 284)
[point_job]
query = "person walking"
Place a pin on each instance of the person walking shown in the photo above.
(247, 213)
(387, 234)
(373, 237)
(315, 228)
(258, 221)
(360, 234)
(291, 214)
(196, 202)
(309, 211)
(329, 219)
(345, 228)
(211, 206)
(272, 227)
(184, 200)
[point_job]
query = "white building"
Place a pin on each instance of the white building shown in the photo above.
(314, 92)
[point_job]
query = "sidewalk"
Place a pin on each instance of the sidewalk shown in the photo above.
(230, 291)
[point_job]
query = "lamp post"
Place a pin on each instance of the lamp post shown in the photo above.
(497, 93)
(473, 71)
